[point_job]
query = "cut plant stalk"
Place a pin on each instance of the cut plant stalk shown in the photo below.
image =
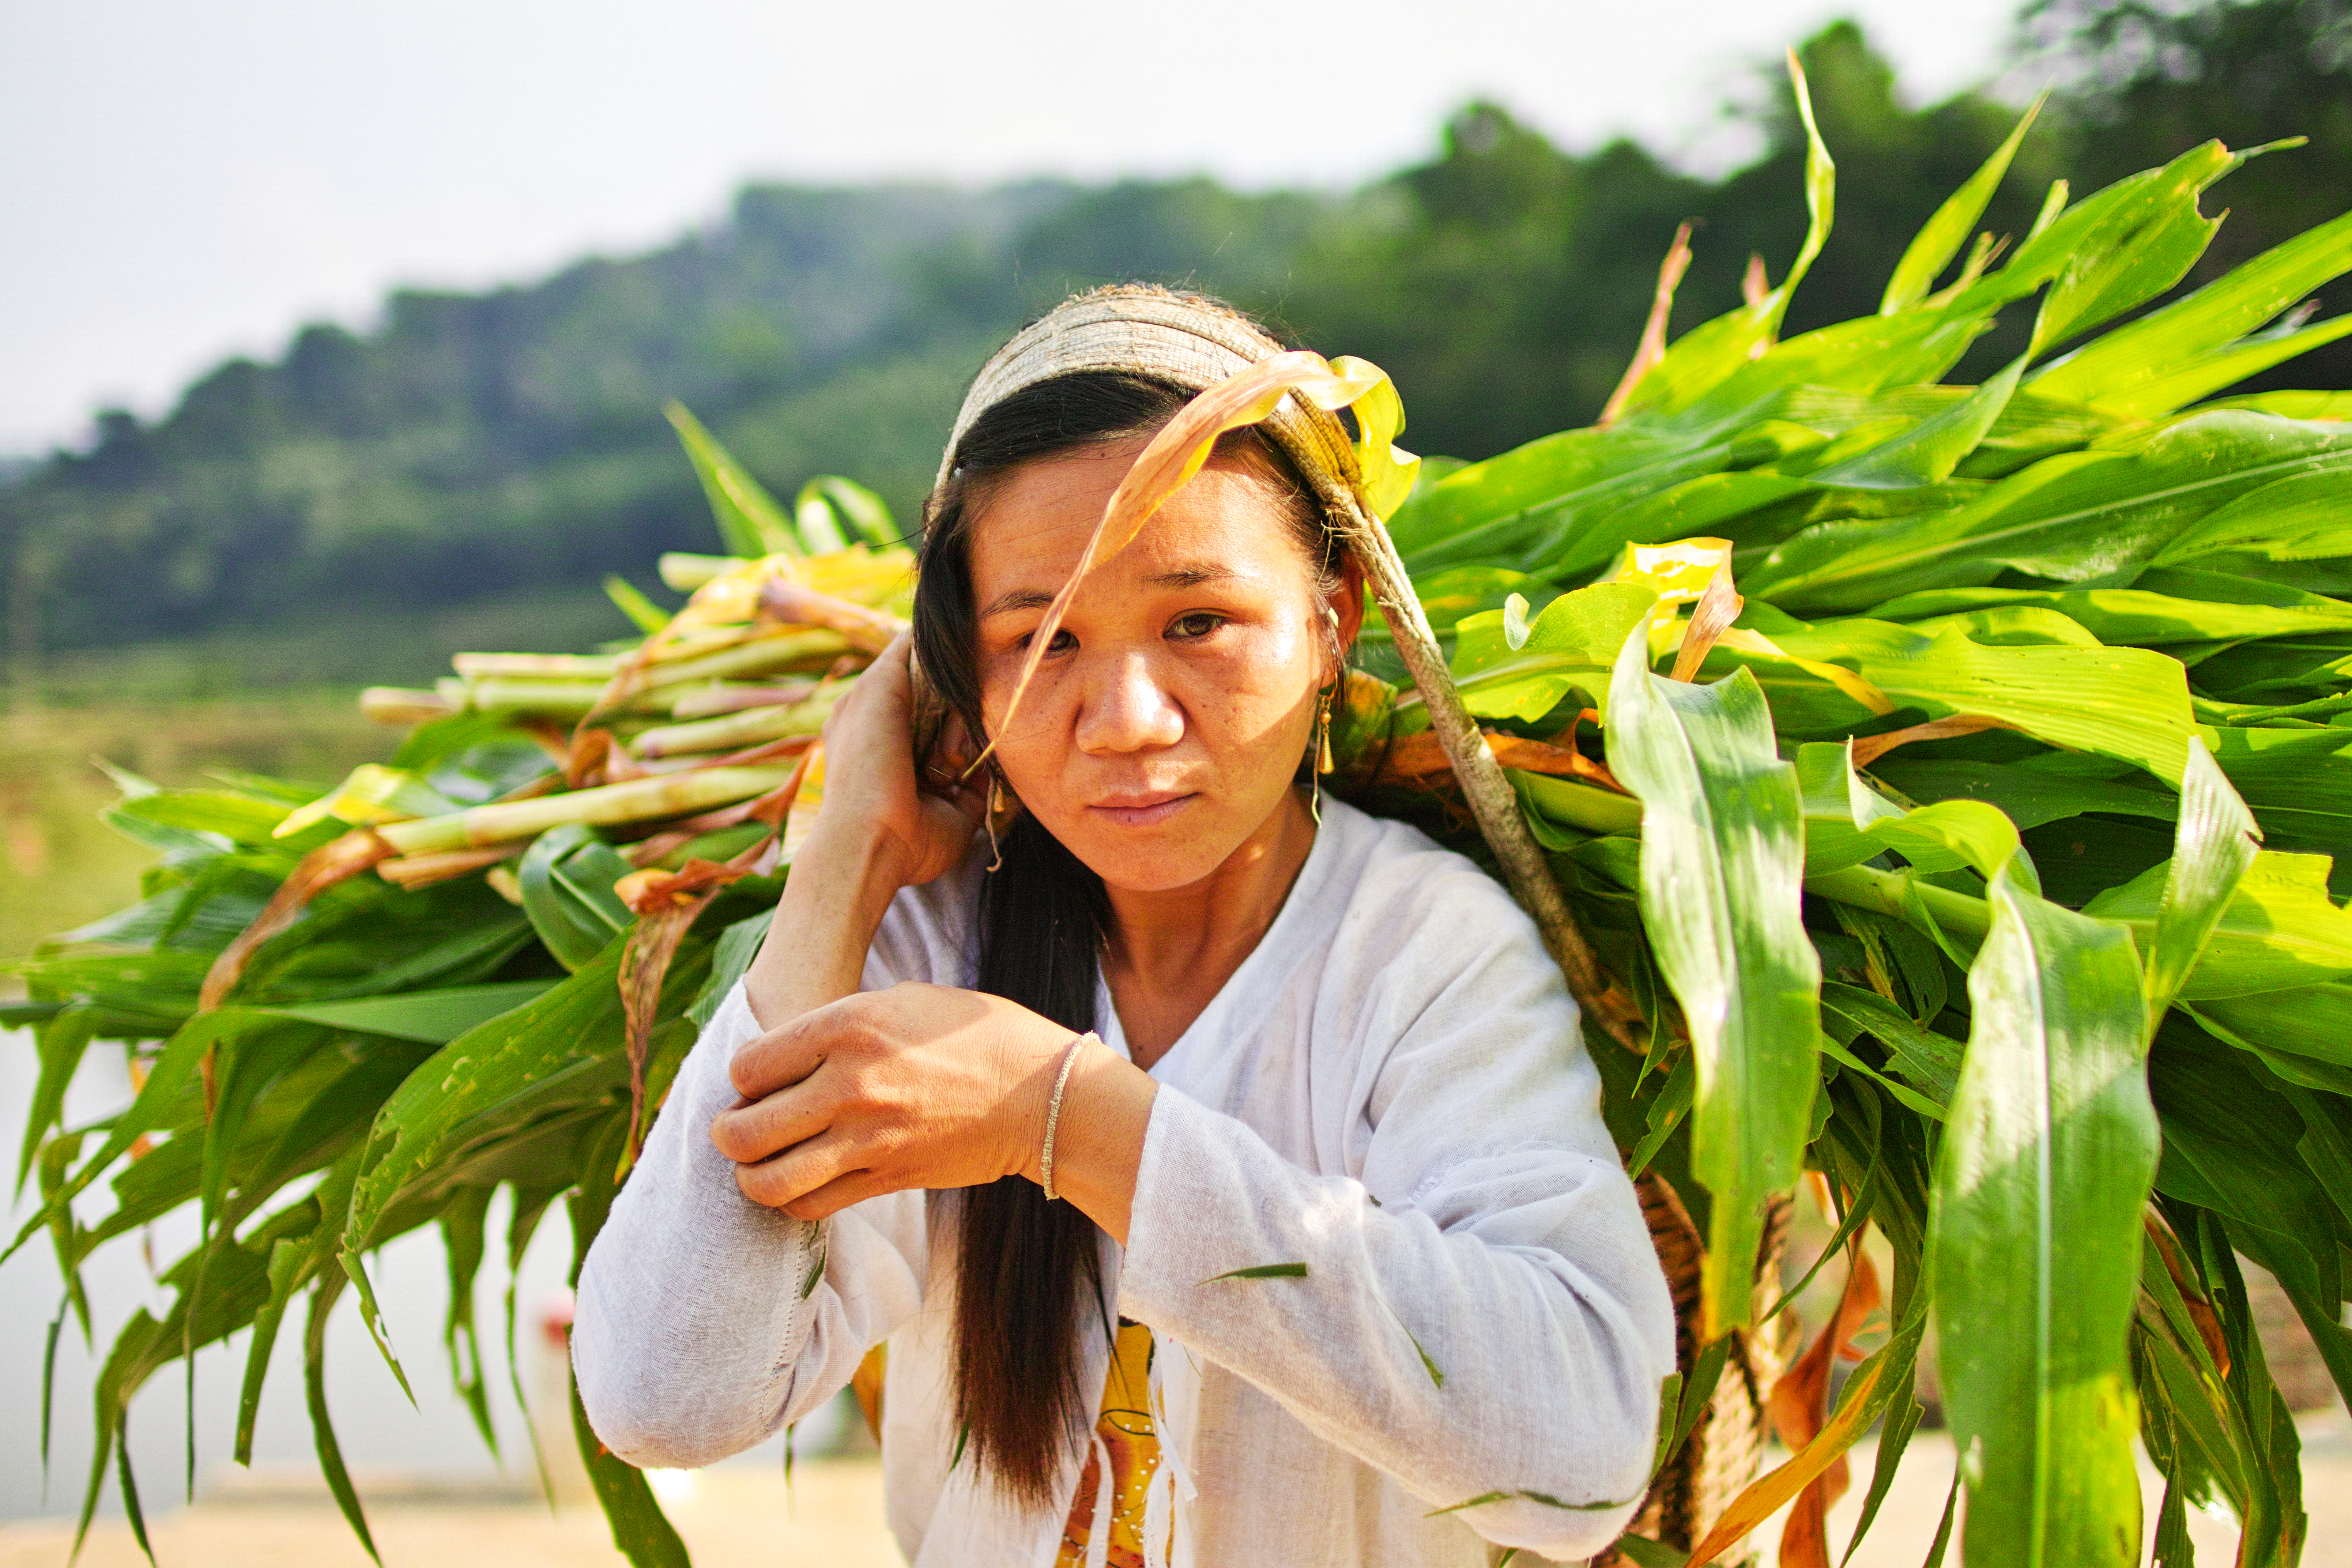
(736, 730)
(639, 801)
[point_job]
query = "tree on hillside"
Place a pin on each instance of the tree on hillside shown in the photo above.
(478, 444)
(1505, 283)
(1500, 284)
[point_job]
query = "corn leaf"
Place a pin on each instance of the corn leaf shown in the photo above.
(322, 1426)
(2214, 846)
(1940, 239)
(750, 522)
(1930, 1060)
(2130, 704)
(1570, 646)
(431, 1017)
(561, 1035)
(2280, 931)
(1847, 822)
(238, 818)
(60, 1042)
(631, 601)
(1475, 513)
(2298, 519)
(2141, 248)
(2058, 235)
(1722, 853)
(2298, 781)
(463, 1235)
(730, 960)
(2232, 1144)
(2201, 608)
(1261, 1271)
(2027, 796)
(2071, 517)
(847, 501)
(2313, 1022)
(1928, 452)
(2047, 1157)
(2203, 375)
(567, 877)
(2122, 369)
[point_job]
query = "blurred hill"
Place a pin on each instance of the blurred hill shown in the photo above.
(501, 445)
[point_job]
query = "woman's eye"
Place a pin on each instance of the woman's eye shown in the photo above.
(1063, 641)
(1199, 623)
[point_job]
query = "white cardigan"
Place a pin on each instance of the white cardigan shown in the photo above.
(1390, 1091)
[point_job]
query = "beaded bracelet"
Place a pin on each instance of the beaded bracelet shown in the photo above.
(1053, 1114)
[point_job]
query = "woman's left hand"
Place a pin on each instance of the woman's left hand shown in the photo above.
(918, 1086)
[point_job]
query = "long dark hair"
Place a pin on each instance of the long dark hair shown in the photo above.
(1026, 1268)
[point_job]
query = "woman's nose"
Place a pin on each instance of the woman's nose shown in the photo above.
(1129, 712)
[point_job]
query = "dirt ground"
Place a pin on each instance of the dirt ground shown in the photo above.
(734, 1518)
(831, 1518)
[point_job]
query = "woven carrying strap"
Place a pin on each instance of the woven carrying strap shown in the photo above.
(1180, 338)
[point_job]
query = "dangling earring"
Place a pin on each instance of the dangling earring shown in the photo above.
(995, 804)
(1323, 763)
(1322, 752)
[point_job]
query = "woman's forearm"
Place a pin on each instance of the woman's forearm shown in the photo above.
(687, 1346)
(839, 889)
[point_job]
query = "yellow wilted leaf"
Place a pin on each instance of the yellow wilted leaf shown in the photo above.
(1384, 471)
(373, 794)
(1682, 570)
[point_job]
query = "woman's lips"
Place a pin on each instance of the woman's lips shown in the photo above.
(1141, 810)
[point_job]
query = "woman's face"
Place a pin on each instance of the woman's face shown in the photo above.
(1168, 720)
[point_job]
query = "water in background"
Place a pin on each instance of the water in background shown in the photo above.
(61, 866)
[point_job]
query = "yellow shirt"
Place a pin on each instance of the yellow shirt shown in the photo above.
(1125, 1431)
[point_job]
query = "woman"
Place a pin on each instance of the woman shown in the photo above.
(1220, 1164)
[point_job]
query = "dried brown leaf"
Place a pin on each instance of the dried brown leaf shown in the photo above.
(1716, 609)
(321, 869)
(1868, 749)
(667, 904)
(1800, 1406)
(1419, 760)
(1652, 346)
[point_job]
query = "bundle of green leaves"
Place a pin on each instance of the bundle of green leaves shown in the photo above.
(1951, 780)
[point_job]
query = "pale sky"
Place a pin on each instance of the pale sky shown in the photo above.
(181, 182)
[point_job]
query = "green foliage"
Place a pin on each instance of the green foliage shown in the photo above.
(2046, 1162)
(567, 879)
(1722, 856)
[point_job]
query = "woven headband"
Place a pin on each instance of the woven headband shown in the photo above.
(1183, 340)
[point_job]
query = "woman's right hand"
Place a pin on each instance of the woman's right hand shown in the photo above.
(873, 805)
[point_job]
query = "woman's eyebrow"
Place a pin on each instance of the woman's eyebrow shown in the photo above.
(1018, 599)
(1192, 576)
